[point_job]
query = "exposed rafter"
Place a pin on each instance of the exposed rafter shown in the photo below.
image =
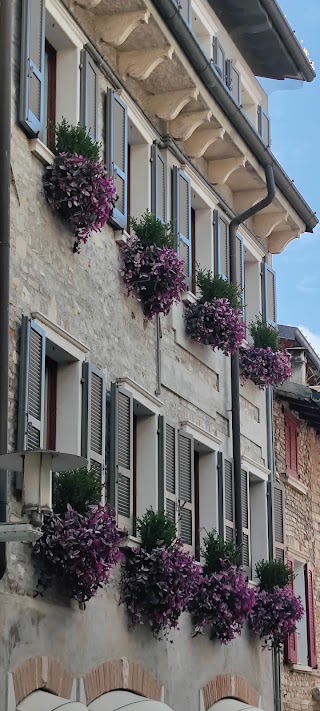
(220, 170)
(199, 142)
(278, 241)
(266, 222)
(139, 64)
(184, 126)
(115, 29)
(167, 106)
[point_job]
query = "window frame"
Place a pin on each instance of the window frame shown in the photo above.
(50, 95)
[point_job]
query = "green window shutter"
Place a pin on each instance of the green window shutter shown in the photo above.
(93, 440)
(278, 521)
(186, 525)
(158, 183)
(221, 245)
(168, 469)
(117, 154)
(245, 502)
(89, 95)
(219, 58)
(32, 66)
(264, 126)
(31, 386)
(122, 455)
(269, 304)
(181, 209)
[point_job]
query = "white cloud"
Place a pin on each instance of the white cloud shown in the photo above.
(313, 338)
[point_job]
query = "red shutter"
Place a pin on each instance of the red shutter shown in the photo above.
(311, 626)
(291, 646)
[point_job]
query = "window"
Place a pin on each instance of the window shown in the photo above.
(291, 439)
(301, 647)
(254, 517)
(252, 285)
(140, 180)
(61, 397)
(117, 154)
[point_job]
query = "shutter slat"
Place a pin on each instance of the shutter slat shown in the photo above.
(122, 455)
(32, 66)
(168, 469)
(291, 645)
(186, 526)
(93, 440)
(171, 510)
(311, 623)
(186, 488)
(221, 245)
(228, 479)
(117, 154)
(269, 295)
(244, 499)
(89, 95)
(278, 521)
(124, 439)
(181, 209)
(124, 496)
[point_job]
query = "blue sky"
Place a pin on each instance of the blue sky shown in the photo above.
(296, 143)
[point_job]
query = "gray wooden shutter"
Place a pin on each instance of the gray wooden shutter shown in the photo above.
(186, 526)
(168, 469)
(93, 440)
(278, 521)
(269, 295)
(245, 502)
(122, 455)
(181, 208)
(226, 498)
(221, 245)
(218, 58)
(236, 85)
(117, 154)
(229, 74)
(158, 183)
(264, 126)
(185, 10)
(89, 95)
(32, 66)
(240, 265)
(31, 386)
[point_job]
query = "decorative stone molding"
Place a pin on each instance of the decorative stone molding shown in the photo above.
(139, 64)
(279, 240)
(115, 29)
(121, 674)
(247, 198)
(228, 686)
(220, 170)
(89, 4)
(266, 222)
(41, 673)
(200, 141)
(184, 126)
(167, 106)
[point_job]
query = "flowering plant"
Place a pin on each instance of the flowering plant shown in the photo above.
(159, 579)
(264, 361)
(154, 274)
(78, 551)
(275, 615)
(79, 189)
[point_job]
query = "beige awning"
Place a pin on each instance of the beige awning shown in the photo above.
(43, 701)
(232, 705)
(125, 701)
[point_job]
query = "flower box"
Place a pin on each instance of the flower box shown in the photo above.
(275, 615)
(215, 323)
(265, 366)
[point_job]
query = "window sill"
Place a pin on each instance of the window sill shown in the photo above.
(130, 542)
(296, 484)
(121, 237)
(301, 668)
(41, 151)
(189, 297)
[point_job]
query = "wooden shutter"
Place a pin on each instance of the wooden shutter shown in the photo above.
(245, 501)
(181, 209)
(93, 439)
(122, 455)
(236, 85)
(185, 10)
(264, 126)
(168, 469)
(221, 244)
(117, 154)
(158, 183)
(310, 611)
(31, 386)
(218, 57)
(240, 265)
(229, 509)
(229, 74)
(186, 526)
(32, 66)
(291, 645)
(278, 521)
(89, 95)
(291, 440)
(269, 295)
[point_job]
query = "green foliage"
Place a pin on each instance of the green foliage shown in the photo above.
(151, 231)
(272, 574)
(215, 287)
(75, 139)
(264, 336)
(218, 554)
(156, 530)
(80, 488)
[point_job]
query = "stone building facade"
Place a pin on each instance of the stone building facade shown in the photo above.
(152, 82)
(297, 456)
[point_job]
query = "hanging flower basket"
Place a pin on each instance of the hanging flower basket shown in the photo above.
(78, 552)
(222, 604)
(157, 586)
(264, 366)
(79, 189)
(216, 324)
(275, 615)
(153, 274)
